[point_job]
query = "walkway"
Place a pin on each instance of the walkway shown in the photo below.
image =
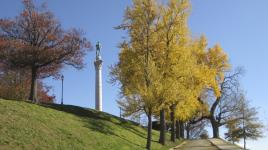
(207, 144)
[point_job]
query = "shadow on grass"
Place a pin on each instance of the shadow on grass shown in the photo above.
(97, 124)
(79, 111)
(95, 120)
(103, 128)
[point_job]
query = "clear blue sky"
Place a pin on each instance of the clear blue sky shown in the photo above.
(240, 26)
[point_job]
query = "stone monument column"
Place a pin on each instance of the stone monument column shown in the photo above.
(98, 79)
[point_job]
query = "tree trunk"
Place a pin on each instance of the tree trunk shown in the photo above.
(244, 143)
(162, 137)
(177, 129)
(214, 124)
(149, 130)
(215, 132)
(172, 117)
(182, 129)
(215, 129)
(33, 92)
(188, 131)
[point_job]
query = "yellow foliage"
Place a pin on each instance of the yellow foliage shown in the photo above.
(161, 65)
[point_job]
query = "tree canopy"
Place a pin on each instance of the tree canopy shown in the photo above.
(161, 66)
(35, 40)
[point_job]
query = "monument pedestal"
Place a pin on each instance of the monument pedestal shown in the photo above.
(98, 85)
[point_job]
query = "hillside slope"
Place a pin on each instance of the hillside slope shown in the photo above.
(29, 126)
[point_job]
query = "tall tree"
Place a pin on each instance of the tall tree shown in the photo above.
(136, 70)
(213, 64)
(173, 38)
(225, 108)
(160, 67)
(181, 73)
(206, 67)
(36, 41)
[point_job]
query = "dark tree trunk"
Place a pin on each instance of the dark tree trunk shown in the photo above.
(245, 143)
(172, 117)
(182, 129)
(214, 124)
(177, 129)
(33, 92)
(188, 131)
(162, 137)
(215, 128)
(149, 130)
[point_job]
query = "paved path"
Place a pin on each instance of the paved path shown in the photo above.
(223, 145)
(196, 145)
(209, 144)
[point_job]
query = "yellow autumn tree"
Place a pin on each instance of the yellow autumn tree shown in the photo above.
(184, 76)
(173, 57)
(213, 63)
(207, 72)
(136, 71)
(160, 67)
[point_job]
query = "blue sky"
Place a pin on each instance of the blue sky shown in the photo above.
(240, 26)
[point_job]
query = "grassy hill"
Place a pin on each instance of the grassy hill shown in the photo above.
(29, 126)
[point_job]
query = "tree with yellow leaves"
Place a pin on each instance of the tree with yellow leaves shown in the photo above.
(173, 55)
(213, 65)
(160, 68)
(187, 66)
(137, 71)
(207, 71)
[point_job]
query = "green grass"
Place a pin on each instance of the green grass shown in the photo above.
(29, 126)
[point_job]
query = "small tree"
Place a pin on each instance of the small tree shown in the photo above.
(231, 134)
(35, 40)
(248, 127)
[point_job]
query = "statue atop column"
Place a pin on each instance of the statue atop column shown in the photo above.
(98, 50)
